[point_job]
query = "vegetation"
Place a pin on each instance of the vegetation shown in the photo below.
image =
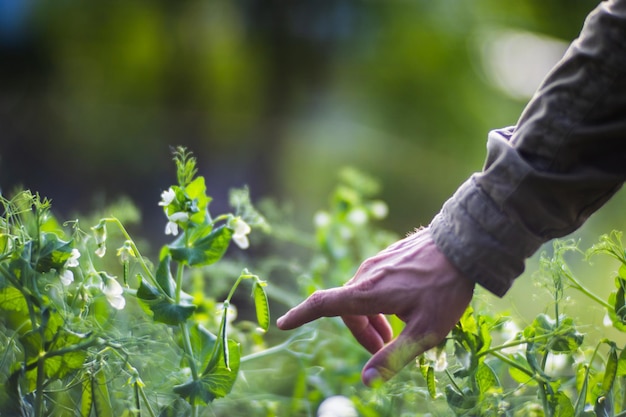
(88, 331)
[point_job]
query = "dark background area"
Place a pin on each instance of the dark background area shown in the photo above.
(276, 95)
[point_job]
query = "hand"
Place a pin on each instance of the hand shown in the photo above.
(411, 279)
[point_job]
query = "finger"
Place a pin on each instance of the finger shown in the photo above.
(382, 326)
(396, 355)
(368, 331)
(327, 303)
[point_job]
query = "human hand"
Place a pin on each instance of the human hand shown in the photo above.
(411, 279)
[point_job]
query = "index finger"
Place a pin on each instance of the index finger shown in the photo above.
(332, 302)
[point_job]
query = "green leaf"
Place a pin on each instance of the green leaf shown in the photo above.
(164, 277)
(486, 380)
(196, 190)
(621, 364)
(582, 385)
(53, 252)
(11, 299)
(460, 403)
(164, 308)
(202, 344)
(562, 405)
(610, 370)
(261, 304)
(215, 382)
(203, 251)
(101, 397)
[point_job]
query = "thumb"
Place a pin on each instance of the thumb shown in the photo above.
(390, 360)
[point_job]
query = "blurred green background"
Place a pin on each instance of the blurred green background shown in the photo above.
(278, 95)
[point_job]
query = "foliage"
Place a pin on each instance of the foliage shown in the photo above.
(78, 340)
(66, 324)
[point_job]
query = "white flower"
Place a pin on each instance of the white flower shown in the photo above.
(439, 359)
(357, 217)
(321, 219)
(113, 292)
(379, 209)
(101, 251)
(67, 277)
(337, 406)
(125, 252)
(100, 232)
(72, 261)
(167, 197)
(241, 231)
(171, 228)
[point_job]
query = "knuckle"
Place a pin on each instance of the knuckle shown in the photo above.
(316, 300)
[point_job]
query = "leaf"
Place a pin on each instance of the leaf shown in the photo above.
(581, 373)
(101, 398)
(262, 306)
(460, 403)
(215, 382)
(203, 251)
(202, 344)
(621, 364)
(196, 190)
(563, 405)
(610, 370)
(53, 253)
(486, 380)
(164, 308)
(164, 278)
(11, 299)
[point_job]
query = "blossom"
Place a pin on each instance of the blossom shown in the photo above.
(357, 217)
(321, 219)
(100, 233)
(379, 209)
(337, 406)
(171, 228)
(167, 197)
(72, 261)
(67, 277)
(125, 252)
(438, 358)
(241, 230)
(113, 292)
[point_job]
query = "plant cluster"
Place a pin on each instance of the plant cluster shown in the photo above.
(88, 331)
(70, 330)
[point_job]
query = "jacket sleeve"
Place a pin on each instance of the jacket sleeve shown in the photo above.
(543, 178)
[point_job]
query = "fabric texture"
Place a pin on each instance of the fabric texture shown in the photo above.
(544, 177)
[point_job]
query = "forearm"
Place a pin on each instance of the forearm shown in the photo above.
(564, 160)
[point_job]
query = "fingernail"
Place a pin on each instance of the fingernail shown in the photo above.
(280, 321)
(370, 376)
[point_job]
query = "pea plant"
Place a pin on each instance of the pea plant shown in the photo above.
(515, 378)
(80, 333)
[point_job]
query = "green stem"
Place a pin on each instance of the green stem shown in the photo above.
(513, 364)
(39, 389)
(180, 271)
(145, 400)
(133, 246)
(577, 285)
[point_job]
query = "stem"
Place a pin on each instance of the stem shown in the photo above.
(577, 285)
(145, 400)
(133, 246)
(189, 350)
(513, 364)
(39, 389)
(179, 282)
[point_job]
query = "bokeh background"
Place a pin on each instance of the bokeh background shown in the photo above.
(276, 95)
